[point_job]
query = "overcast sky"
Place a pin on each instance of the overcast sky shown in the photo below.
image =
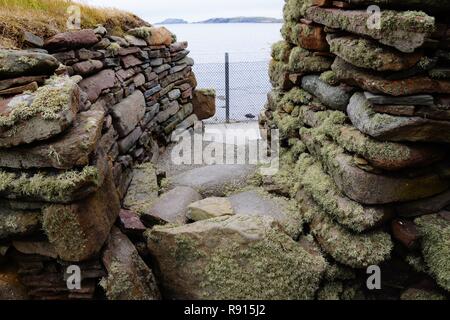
(194, 10)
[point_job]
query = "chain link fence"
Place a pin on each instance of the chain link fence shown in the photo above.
(241, 86)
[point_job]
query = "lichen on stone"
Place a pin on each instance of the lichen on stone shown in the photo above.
(329, 77)
(302, 60)
(141, 32)
(47, 101)
(435, 232)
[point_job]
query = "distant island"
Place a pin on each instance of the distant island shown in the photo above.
(173, 21)
(243, 20)
(226, 20)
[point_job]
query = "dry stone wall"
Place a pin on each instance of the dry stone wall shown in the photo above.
(76, 115)
(363, 114)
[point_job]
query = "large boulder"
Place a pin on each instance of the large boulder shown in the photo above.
(79, 230)
(66, 151)
(238, 257)
(26, 63)
(204, 102)
(129, 278)
(395, 128)
(39, 115)
(72, 40)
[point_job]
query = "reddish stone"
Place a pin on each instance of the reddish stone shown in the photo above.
(130, 222)
(405, 232)
(74, 39)
(94, 85)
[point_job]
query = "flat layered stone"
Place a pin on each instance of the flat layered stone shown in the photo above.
(41, 248)
(323, 190)
(426, 4)
(10, 286)
(424, 206)
(20, 81)
(353, 250)
(259, 203)
(368, 54)
(417, 100)
(390, 156)
(54, 187)
(129, 278)
(372, 188)
(69, 150)
(238, 257)
(215, 180)
(78, 230)
(394, 128)
(95, 84)
(18, 63)
(15, 223)
(435, 232)
(143, 190)
(72, 40)
(128, 113)
(334, 97)
(433, 112)
(377, 84)
(209, 208)
(309, 36)
(171, 207)
(88, 67)
(39, 115)
(404, 30)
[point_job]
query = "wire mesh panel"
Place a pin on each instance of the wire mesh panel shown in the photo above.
(248, 87)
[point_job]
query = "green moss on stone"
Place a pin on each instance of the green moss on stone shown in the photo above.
(302, 60)
(329, 77)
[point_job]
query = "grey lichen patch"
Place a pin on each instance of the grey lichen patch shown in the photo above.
(417, 263)
(435, 231)
(64, 230)
(287, 124)
(18, 223)
(294, 10)
(46, 186)
(48, 102)
(210, 92)
(353, 250)
(113, 49)
(141, 32)
(296, 96)
(302, 60)
(414, 294)
(337, 272)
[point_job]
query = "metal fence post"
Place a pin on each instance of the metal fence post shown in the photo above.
(227, 87)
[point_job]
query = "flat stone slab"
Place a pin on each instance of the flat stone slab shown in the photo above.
(143, 190)
(129, 278)
(94, 85)
(210, 208)
(72, 40)
(405, 31)
(18, 63)
(15, 223)
(39, 115)
(128, 113)
(417, 100)
(372, 188)
(377, 84)
(353, 250)
(424, 206)
(79, 230)
(395, 128)
(259, 203)
(434, 4)
(390, 156)
(334, 97)
(68, 150)
(237, 257)
(215, 180)
(305, 61)
(322, 189)
(48, 186)
(368, 54)
(171, 207)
